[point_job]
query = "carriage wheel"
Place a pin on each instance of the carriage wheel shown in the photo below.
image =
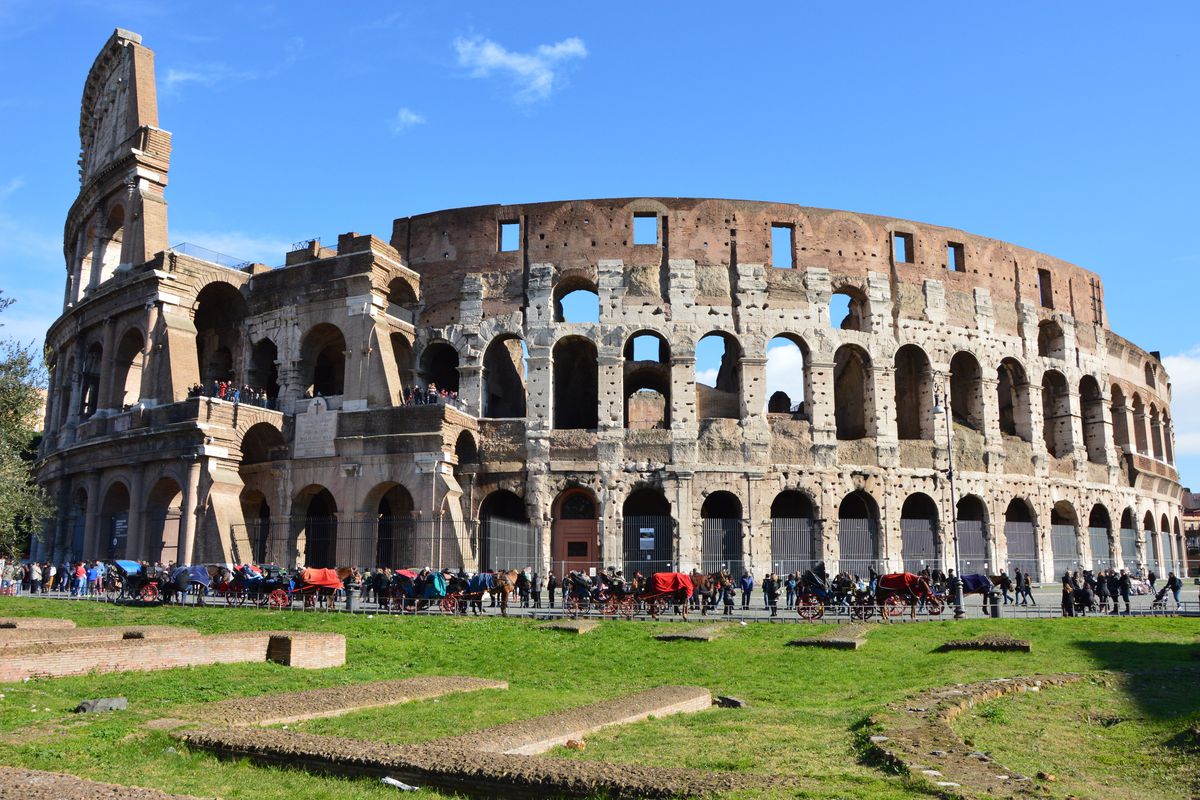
(112, 592)
(611, 606)
(629, 607)
(656, 607)
(279, 599)
(261, 599)
(575, 606)
(893, 606)
(449, 604)
(149, 594)
(310, 600)
(810, 607)
(934, 605)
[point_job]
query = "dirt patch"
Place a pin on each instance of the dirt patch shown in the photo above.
(703, 633)
(994, 642)
(537, 735)
(334, 701)
(840, 637)
(37, 623)
(571, 625)
(32, 784)
(470, 772)
(917, 736)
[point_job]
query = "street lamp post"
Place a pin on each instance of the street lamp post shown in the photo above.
(941, 406)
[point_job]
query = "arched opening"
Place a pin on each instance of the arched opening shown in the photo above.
(1168, 436)
(858, 534)
(77, 525)
(324, 359)
(718, 377)
(1181, 552)
(649, 532)
(972, 536)
(1120, 420)
(219, 311)
(465, 450)
(1139, 425)
(405, 362)
(1012, 392)
(264, 371)
(721, 533)
(262, 443)
(1057, 423)
(1019, 533)
(89, 395)
(164, 509)
(853, 393)
(127, 377)
(575, 536)
(109, 248)
(396, 542)
(505, 538)
(848, 309)
(402, 300)
(1166, 553)
(318, 524)
(1149, 550)
(504, 377)
(914, 394)
(1051, 342)
(919, 534)
(794, 547)
(647, 382)
(114, 523)
(1091, 409)
(1149, 371)
(1064, 538)
(1156, 433)
(576, 300)
(1100, 537)
(439, 367)
(788, 375)
(256, 511)
(966, 391)
(576, 384)
(1129, 542)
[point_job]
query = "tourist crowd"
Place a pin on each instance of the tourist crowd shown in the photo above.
(225, 390)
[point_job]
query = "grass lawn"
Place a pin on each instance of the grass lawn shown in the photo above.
(806, 713)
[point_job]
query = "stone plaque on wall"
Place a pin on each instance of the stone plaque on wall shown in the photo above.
(316, 430)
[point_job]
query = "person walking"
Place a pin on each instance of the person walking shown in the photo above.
(1175, 586)
(535, 586)
(1114, 589)
(1125, 584)
(1005, 585)
(1029, 590)
(727, 591)
(1019, 583)
(747, 589)
(1151, 578)
(1102, 591)
(551, 587)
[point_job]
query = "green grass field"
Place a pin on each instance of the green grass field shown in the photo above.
(806, 716)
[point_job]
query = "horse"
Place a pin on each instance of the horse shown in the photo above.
(506, 586)
(905, 587)
(709, 587)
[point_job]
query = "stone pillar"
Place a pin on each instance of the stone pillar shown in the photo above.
(91, 529)
(470, 388)
(612, 389)
(137, 510)
(882, 414)
(1037, 439)
(149, 353)
(820, 406)
(684, 427)
(189, 521)
(688, 552)
(539, 405)
(107, 368)
(993, 440)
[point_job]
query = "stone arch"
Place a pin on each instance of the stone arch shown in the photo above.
(256, 511)
(264, 368)
(323, 360)
(576, 384)
(1120, 420)
(315, 525)
(127, 369)
(89, 395)
(218, 314)
(1168, 435)
(853, 393)
(1166, 550)
(581, 298)
(164, 512)
(1020, 532)
(1149, 551)
(794, 545)
(263, 442)
(1100, 537)
(966, 390)
(1156, 446)
(1064, 537)
(504, 377)
(849, 308)
(1051, 340)
(397, 543)
(971, 527)
(1057, 420)
(858, 533)
(466, 451)
(1012, 391)
(402, 300)
(914, 393)
(113, 530)
(575, 534)
(1129, 540)
(647, 381)
(1091, 410)
(722, 398)
(110, 244)
(649, 531)
(405, 363)
(504, 534)
(1149, 374)
(721, 533)
(438, 366)
(788, 358)
(919, 533)
(1139, 424)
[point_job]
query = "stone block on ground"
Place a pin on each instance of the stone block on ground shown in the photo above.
(1001, 643)
(307, 650)
(840, 637)
(36, 623)
(34, 784)
(102, 704)
(570, 625)
(701, 633)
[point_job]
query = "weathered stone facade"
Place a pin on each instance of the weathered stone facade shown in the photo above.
(1060, 429)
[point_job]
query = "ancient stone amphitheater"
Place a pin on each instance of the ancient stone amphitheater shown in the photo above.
(945, 382)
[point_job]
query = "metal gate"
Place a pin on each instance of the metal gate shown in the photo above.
(1129, 559)
(858, 546)
(649, 545)
(506, 544)
(1151, 557)
(1065, 548)
(1101, 557)
(1022, 549)
(1168, 555)
(918, 544)
(721, 546)
(793, 545)
(972, 547)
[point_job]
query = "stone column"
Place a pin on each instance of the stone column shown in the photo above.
(189, 521)
(882, 414)
(539, 405)
(684, 427)
(611, 391)
(91, 529)
(137, 509)
(470, 388)
(993, 440)
(688, 552)
(107, 368)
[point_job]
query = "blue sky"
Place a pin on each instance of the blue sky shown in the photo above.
(1065, 127)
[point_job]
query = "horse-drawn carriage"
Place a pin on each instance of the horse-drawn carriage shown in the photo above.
(817, 593)
(665, 589)
(463, 592)
(896, 590)
(625, 599)
(129, 580)
(184, 580)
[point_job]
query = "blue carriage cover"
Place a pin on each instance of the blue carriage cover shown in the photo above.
(435, 586)
(128, 567)
(481, 582)
(195, 574)
(976, 583)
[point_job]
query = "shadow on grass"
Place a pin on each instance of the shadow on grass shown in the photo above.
(1163, 677)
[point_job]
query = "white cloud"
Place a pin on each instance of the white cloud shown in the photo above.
(533, 73)
(203, 75)
(241, 246)
(785, 372)
(406, 118)
(1184, 369)
(707, 376)
(12, 186)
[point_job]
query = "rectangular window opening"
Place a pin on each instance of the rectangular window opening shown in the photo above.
(902, 247)
(645, 229)
(956, 257)
(1045, 288)
(783, 243)
(510, 236)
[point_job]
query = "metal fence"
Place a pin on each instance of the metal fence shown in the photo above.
(918, 544)
(721, 546)
(1170, 564)
(1101, 555)
(858, 546)
(1022, 549)
(793, 544)
(1151, 558)
(1064, 546)
(972, 547)
(650, 544)
(1129, 556)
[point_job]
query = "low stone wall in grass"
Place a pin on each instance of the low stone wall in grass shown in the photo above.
(39, 623)
(34, 784)
(12, 640)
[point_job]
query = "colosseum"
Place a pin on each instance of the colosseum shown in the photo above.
(954, 397)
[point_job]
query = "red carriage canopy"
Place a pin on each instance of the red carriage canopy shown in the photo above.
(669, 583)
(907, 582)
(327, 578)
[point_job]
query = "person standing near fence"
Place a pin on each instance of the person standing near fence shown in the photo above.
(1175, 585)
(747, 589)
(535, 587)
(551, 587)
(1125, 584)
(771, 591)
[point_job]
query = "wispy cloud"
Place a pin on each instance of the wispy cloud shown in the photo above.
(406, 118)
(204, 75)
(1184, 369)
(534, 74)
(237, 244)
(10, 187)
(707, 376)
